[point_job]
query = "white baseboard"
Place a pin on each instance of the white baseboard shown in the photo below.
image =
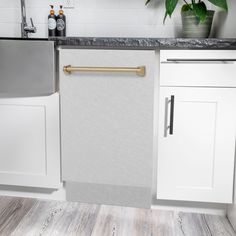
(39, 193)
(191, 207)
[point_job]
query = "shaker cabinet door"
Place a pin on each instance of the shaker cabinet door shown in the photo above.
(30, 142)
(107, 126)
(196, 144)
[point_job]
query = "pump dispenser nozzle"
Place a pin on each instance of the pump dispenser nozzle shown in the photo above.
(52, 11)
(61, 11)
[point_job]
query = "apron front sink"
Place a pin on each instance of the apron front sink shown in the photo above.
(27, 68)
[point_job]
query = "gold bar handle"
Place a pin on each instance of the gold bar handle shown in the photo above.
(140, 70)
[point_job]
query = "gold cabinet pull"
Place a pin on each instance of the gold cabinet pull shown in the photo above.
(140, 70)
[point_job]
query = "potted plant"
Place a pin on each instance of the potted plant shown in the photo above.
(196, 18)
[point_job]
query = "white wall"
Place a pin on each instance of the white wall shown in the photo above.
(124, 18)
(226, 22)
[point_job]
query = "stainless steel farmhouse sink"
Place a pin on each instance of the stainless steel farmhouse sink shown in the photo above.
(27, 68)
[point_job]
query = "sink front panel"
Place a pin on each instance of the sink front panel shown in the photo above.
(27, 68)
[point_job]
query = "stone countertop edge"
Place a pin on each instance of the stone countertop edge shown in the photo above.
(146, 43)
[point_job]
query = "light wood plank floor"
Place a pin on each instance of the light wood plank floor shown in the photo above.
(31, 217)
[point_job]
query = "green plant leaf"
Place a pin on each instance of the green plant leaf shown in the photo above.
(147, 2)
(220, 3)
(186, 7)
(200, 10)
(170, 6)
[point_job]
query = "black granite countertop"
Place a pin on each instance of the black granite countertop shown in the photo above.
(146, 43)
(140, 43)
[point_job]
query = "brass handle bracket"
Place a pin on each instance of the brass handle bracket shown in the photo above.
(141, 71)
(67, 68)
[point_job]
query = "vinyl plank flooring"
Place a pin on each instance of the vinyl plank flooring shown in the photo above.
(153, 222)
(30, 217)
(11, 213)
(218, 225)
(39, 218)
(142, 222)
(120, 221)
(58, 218)
(191, 224)
(110, 221)
(74, 219)
(163, 223)
(4, 202)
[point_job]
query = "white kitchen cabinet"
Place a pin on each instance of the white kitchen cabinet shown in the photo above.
(196, 162)
(107, 127)
(30, 142)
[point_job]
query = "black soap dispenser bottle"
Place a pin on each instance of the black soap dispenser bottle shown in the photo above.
(52, 23)
(61, 23)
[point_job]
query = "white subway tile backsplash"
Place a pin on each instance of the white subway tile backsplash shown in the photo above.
(9, 3)
(80, 16)
(10, 29)
(40, 16)
(10, 15)
(38, 3)
(106, 4)
(114, 18)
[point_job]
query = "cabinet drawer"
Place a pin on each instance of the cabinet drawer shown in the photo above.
(204, 68)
